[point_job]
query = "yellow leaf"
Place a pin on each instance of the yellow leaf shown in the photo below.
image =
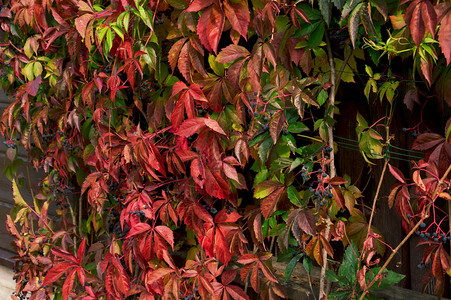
(18, 199)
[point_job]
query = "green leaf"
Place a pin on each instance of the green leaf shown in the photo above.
(322, 97)
(101, 34)
(218, 68)
(261, 176)
(265, 228)
(37, 69)
(109, 40)
(389, 278)
(126, 21)
(353, 23)
(146, 16)
(293, 195)
(178, 4)
(368, 70)
(339, 3)
(297, 127)
(316, 37)
(348, 268)
(325, 7)
(18, 199)
(340, 295)
(263, 150)
(332, 276)
(118, 31)
(290, 266)
(307, 263)
(276, 230)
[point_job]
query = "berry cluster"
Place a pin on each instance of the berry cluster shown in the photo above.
(138, 213)
(298, 251)
(414, 132)
(161, 21)
(321, 193)
(435, 236)
(194, 295)
(423, 265)
(340, 36)
(212, 210)
(67, 146)
(22, 296)
(10, 143)
(48, 137)
(118, 231)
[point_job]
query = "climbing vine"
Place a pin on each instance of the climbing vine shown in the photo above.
(186, 144)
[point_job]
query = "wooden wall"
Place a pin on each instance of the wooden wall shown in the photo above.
(6, 198)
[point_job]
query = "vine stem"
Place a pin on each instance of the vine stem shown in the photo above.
(334, 79)
(373, 209)
(425, 214)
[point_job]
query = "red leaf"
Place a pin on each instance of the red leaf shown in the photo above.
(429, 16)
(444, 37)
(184, 64)
(81, 251)
(267, 272)
(230, 172)
(190, 127)
(120, 279)
(167, 234)
(231, 53)
(306, 221)
(426, 67)
(56, 272)
(68, 284)
(228, 276)
(410, 98)
(153, 276)
(236, 292)
(138, 229)
(197, 60)
(444, 259)
(197, 5)
(393, 192)
(214, 125)
(238, 15)
(222, 252)
(64, 254)
(337, 181)
(255, 280)
(224, 217)
(427, 141)
(210, 26)
(437, 266)
(196, 93)
(338, 197)
(32, 87)
(81, 24)
(396, 173)
(276, 124)
(247, 259)
(417, 29)
(326, 245)
(277, 193)
(173, 58)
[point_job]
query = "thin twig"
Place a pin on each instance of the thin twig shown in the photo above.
(333, 171)
(425, 214)
(373, 208)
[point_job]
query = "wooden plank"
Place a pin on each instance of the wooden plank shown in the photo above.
(298, 287)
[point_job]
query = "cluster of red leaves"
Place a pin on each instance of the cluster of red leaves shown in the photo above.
(418, 201)
(162, 208)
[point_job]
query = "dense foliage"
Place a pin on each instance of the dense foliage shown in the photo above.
(185, 143)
